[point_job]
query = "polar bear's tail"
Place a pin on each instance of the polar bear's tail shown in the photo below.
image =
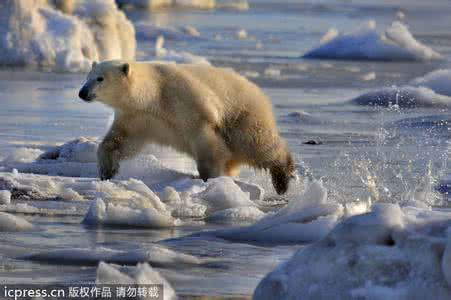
(281, 173)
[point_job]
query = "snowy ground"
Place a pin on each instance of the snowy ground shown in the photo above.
(368, 217)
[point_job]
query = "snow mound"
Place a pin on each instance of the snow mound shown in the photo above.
(33, 33)
(307, 218)
(406, 96)
(156, 255)
(439, 81)
(396, 43)
(11, 223)
(388, 253)
(142, 274)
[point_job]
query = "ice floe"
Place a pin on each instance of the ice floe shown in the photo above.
(396, 43)
(391, 252)
(33, 33)
(156, 255)
(142, 274)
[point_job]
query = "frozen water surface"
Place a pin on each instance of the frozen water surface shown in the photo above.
(357, 143)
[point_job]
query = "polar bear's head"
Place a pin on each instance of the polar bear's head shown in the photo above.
(107, 82)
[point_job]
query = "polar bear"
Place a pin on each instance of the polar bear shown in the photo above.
(212, 114)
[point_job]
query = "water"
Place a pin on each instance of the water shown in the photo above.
(386, 153)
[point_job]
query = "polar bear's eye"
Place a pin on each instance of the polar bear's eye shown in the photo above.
(99, 79)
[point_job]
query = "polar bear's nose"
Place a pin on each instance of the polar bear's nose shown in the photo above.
(84, 93)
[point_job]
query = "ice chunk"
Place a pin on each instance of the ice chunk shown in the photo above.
(192, 31)
(395, 44)
(156, 255)
(5, 197)
(241, 34)
(100, 213)
(142, 274)
(308, 218)
(389, 253)
(223, 193)
(439, 81)
(11, 223)
(407, 96)
(248, 214)
(34, 33)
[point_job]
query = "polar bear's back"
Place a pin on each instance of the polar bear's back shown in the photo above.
(235, 93)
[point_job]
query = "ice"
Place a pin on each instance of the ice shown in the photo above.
(302, 117)
(158, 199)
(368, 76)
(396, 43)
(34, 33)
(5, 197)
(156, 255)
(192, 31)
(406, 96)
(241, 34)
(12, 223)
(164, 54)
(439, 81)
(100, 213)
(391, 252)
(142, 274)
(186, 4)
(307, 218)
(223, 193)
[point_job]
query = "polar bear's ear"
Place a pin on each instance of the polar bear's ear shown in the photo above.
(94, 64)
(125, 68)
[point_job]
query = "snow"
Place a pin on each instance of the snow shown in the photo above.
(308, 217)
(156, 255)
(391, 252)
(12, 223)
(34, 33)
(396, 43)
(5, 197)
(142, 274)
(158, 199)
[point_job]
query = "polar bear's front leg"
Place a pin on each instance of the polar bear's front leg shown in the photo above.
(117, 145)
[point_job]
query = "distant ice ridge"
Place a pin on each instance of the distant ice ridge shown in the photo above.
(142, 274)
(391, 252)
(431, 90)
(185, 4)
(34, 33)
(396, 43)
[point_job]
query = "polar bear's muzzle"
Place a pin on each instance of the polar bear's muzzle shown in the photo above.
(86, 94)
